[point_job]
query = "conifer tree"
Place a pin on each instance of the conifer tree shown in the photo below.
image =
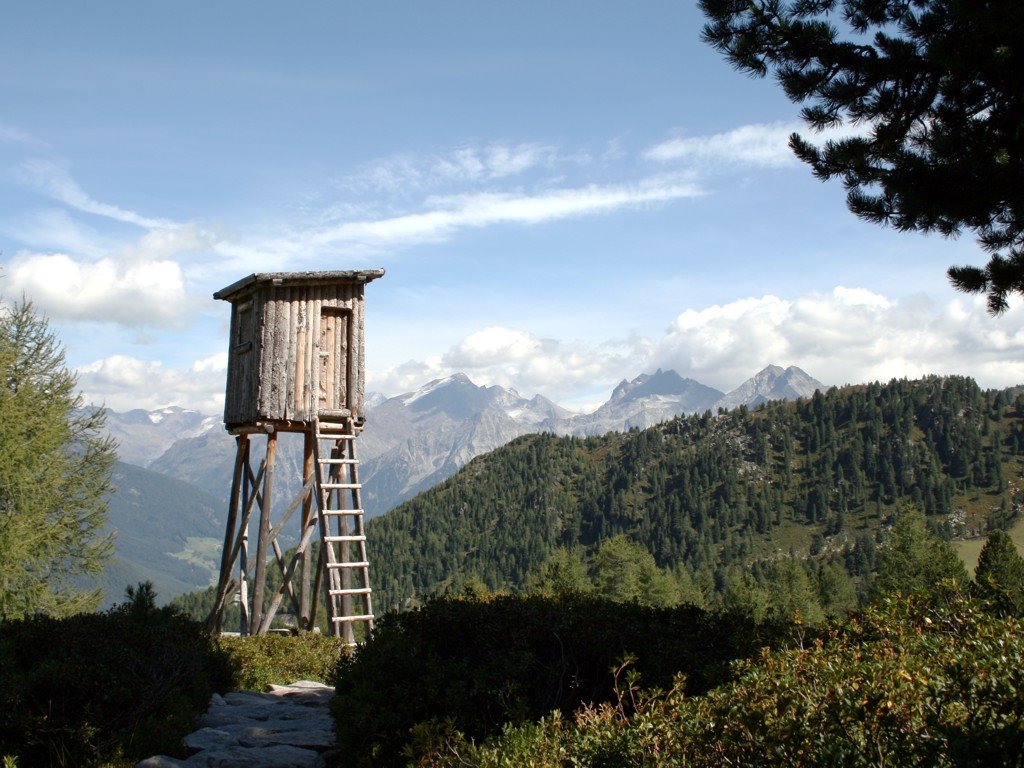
(914, 558)
(934, 93)
(1000, 574)
(54, 475)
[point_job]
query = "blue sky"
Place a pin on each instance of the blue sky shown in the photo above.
(563, 195)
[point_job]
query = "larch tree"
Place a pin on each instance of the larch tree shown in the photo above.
(563, 573)
(624, 571)
(933, 91)
(55, 469)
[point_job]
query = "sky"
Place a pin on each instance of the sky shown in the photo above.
(563, 195)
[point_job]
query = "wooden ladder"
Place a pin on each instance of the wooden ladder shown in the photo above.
(346, 569)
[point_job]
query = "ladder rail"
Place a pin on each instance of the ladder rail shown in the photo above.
(347, 590)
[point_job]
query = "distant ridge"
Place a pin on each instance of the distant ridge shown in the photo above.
(412, 442)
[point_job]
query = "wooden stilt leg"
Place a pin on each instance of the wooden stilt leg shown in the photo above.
(260, 582)
(308, 468)
(216, 619)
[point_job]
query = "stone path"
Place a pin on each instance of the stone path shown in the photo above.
(290, 727)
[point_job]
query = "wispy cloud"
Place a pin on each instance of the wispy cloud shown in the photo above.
(403, 173)
(12, 134)
(761, 144)
(449, 214)
(53, 179)
(55, 229)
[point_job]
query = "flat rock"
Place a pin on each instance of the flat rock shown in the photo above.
(221, 716)
(289, 727)
(318, 740)
(276, 756)
(209, 738)
(248, 698)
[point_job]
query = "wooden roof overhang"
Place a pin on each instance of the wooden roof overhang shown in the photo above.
(296, 279)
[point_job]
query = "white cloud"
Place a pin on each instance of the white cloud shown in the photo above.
(53, 180)
(123, 383)
(142, 285)
(848, 335)
(570, 373)
(761, 144)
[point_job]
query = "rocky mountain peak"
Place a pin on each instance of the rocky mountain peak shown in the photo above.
(771, 383)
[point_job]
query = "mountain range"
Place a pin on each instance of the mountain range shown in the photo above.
(412, 442)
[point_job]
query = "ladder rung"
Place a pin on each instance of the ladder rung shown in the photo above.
(329, 414)
(350, 486)
(341, 619)
(341, 512)
(339, 461)
(334, 432)
(352, 591)
(362, 564)
(357, 537)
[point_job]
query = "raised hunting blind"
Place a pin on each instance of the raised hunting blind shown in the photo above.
(296, 364)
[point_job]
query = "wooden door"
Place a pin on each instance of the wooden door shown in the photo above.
(333, 359)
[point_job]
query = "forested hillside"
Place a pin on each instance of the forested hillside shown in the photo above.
(819, 477)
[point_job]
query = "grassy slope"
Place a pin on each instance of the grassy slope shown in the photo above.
(970, 549)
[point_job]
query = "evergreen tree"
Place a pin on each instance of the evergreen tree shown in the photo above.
(54, 475)
(1000, 574)
(940, 86)
(914, 558)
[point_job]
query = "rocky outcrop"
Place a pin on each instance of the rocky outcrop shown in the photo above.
(289, 727)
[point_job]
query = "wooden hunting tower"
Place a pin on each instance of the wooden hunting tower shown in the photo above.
(296, 364)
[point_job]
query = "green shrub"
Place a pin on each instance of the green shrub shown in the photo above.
(282, 659)
(934, 681)
(92, 688)
(482, 663)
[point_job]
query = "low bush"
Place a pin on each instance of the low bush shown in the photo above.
(96, 688)
(475, 664)
(281, 659)
(935, 681)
